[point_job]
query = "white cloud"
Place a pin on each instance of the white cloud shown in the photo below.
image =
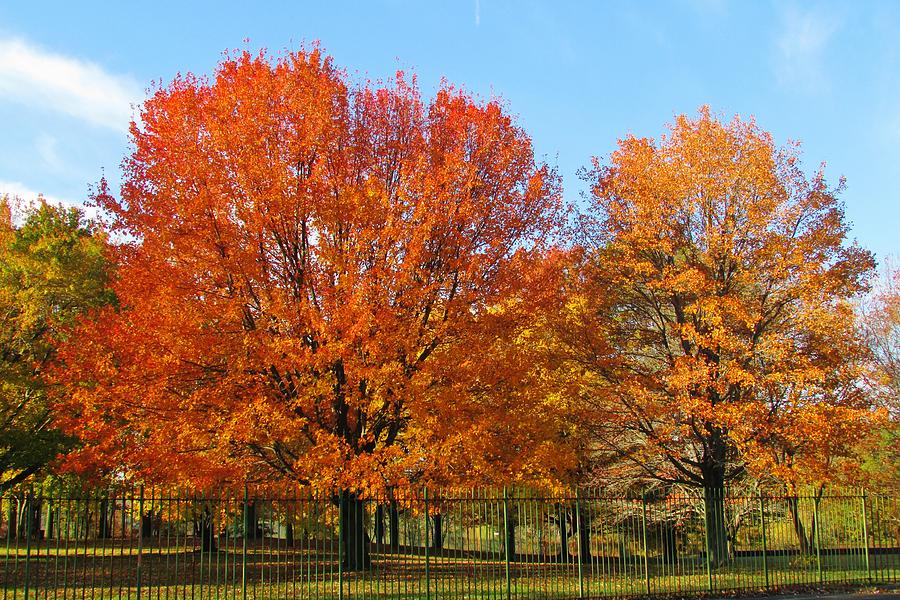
(17, 189)
(81, 89)
(800, 49)
(26, 195)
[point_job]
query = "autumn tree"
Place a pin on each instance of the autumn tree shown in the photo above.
(305, 265)
(52, 271)
(709, 315)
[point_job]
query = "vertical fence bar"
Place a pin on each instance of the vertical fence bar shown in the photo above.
(67, 538)
(56, 532)
(506, 541)
(341, 517)
(706, 534)
(85, 533)
(577, 528)
(177, 583)
(427, 546)
(644, 540)
(865, 532)
(246, 517)
(140, 541)
(9, 528)
(765, 549)
(27, 517)
(816, 531)
(153, 508)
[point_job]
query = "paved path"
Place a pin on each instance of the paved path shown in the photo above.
(881, 593)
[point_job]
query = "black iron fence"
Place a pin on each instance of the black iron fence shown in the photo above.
(428, 544)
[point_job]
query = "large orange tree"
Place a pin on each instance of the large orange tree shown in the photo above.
(311, 275)
(709, 315)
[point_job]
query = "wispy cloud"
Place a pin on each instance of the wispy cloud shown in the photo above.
(47, 148)
(717, 8)
(81, 89)
(800, 49)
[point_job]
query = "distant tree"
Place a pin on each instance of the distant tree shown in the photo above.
(710, 313)
(881, 328)
(52, 271)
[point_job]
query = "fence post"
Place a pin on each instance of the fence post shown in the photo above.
(765, 549)
(865, 532)
(29, 521)
(140, 557)
(706, 533)
(427, 545)
(506, 542)
(10, 528)
(341, 501)
(818, 540)
(816, 531)
(578, 524)
(244, 545)
(644, 536)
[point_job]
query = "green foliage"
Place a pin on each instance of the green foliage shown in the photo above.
(881, 458)
(52, 271)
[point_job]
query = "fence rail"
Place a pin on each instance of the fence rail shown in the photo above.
(432, 544)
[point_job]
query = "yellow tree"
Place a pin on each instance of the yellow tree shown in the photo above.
(53, 271)
(710, 312)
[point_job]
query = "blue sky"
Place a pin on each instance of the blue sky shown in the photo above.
(579, 75)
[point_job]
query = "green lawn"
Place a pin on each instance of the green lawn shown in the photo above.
(272, 574)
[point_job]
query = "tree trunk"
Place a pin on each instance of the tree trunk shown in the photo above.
(669, 542)
(510, 537)
(207, 531)
(807, 541)
(12, 522)
(563, 519)
(712, 470)
(584, 536)
(33, 520)
(289, 534)
(50, 523)
(251, 521)
(105, 519)
(147, 524)
(394, 526)
(379, 525)
(716, 532)
(354, 539)
(437, 541)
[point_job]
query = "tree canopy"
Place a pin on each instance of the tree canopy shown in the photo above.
(313, 275)
(714, 302)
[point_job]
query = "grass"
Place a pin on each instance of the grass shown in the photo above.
(112, 572)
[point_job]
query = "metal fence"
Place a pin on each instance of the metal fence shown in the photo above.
(480, 543)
